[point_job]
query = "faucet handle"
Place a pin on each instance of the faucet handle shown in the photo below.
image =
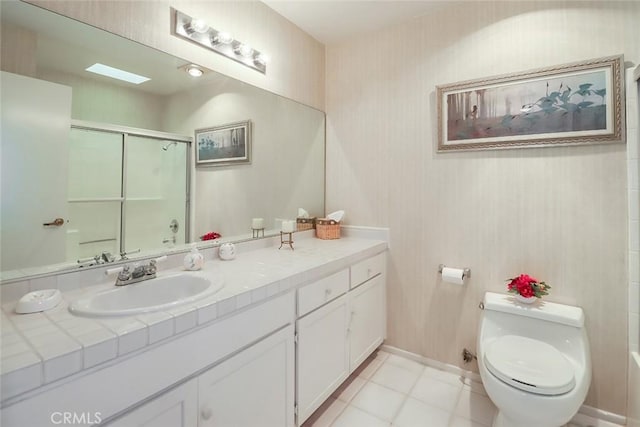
(125, 274)
(151, 268)
(107, 257)
(138, 270)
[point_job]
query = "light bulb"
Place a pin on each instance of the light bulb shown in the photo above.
(222, 38)
(199, 25)
(244, 50)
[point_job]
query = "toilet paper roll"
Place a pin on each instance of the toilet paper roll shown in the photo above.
(453, 275)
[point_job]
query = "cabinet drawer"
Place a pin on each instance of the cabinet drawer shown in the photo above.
(324, 290)
(368, 268)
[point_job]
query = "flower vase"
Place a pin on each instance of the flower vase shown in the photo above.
(525, 300)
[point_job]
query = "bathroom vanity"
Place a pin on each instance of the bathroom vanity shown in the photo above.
(284, 331)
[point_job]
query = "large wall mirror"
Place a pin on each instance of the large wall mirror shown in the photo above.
(123, 174)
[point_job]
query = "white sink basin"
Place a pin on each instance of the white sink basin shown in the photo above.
(151, 295)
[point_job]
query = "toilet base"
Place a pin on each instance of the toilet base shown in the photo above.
(502, 421)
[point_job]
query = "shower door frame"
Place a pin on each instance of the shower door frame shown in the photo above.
(126, 132)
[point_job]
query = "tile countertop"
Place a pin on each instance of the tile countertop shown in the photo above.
(40, 348)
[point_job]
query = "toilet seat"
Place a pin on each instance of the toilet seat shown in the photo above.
(530, 365)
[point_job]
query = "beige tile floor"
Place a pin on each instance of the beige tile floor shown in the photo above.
(389, 390)
(392, 391)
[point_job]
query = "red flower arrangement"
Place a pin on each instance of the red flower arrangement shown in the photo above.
(527, 286)
(211, 236)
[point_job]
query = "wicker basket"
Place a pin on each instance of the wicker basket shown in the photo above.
(303, 224)
(327, 229)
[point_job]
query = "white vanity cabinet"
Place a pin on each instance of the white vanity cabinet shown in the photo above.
(341, 321)
(322, 355)
(253, 388)
(175, 408)
(367, 324)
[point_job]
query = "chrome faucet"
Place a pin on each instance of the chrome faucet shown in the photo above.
(103, 258)
(139, 273)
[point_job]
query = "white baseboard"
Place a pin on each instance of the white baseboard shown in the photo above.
(432, 363)
(587, 416)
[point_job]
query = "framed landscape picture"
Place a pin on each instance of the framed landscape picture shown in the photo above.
(224, 145)
(579, 103)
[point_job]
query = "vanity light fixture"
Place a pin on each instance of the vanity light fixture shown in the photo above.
(198, 26)
(221, 38)
(116, 73)
(197, 31)
(244, 50)
(261, 59)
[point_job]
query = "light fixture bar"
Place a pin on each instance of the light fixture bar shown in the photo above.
(193, 29)
(116, 73)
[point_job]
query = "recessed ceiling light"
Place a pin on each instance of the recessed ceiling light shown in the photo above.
(116, 73)
(194, 71)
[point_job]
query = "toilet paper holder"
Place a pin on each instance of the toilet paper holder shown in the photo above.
(466, 272)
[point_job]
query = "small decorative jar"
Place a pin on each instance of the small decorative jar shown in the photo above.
(194, 260)
(227, 251)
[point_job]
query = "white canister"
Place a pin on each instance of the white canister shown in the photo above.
(194, 260)
(227, 251)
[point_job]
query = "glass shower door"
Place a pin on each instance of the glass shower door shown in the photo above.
(95, 193)
(155, 193)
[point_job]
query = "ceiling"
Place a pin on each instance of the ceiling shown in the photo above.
(331, 21)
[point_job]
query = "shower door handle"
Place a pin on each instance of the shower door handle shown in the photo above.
(56, 223)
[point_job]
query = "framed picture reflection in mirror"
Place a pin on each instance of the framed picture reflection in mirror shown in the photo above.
(224, 145)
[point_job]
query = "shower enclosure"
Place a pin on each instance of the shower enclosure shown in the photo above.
(128, 190)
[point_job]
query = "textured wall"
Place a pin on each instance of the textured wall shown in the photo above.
(296, 66)
(287, 157)
(557, 213)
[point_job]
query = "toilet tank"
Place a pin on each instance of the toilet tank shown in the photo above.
(557, 324)
(542, 310)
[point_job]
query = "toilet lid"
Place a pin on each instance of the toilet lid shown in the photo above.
(529, 365)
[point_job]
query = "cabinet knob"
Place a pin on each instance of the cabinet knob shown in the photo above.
(327, 291)
(206, 413)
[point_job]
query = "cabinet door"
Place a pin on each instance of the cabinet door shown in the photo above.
(175, 408)
(367, 320)
(322, 358)
(253, 388)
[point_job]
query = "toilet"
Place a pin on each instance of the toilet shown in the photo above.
(534, 360)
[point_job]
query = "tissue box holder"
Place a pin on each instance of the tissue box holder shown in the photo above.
(303, 224)
(327, 229)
